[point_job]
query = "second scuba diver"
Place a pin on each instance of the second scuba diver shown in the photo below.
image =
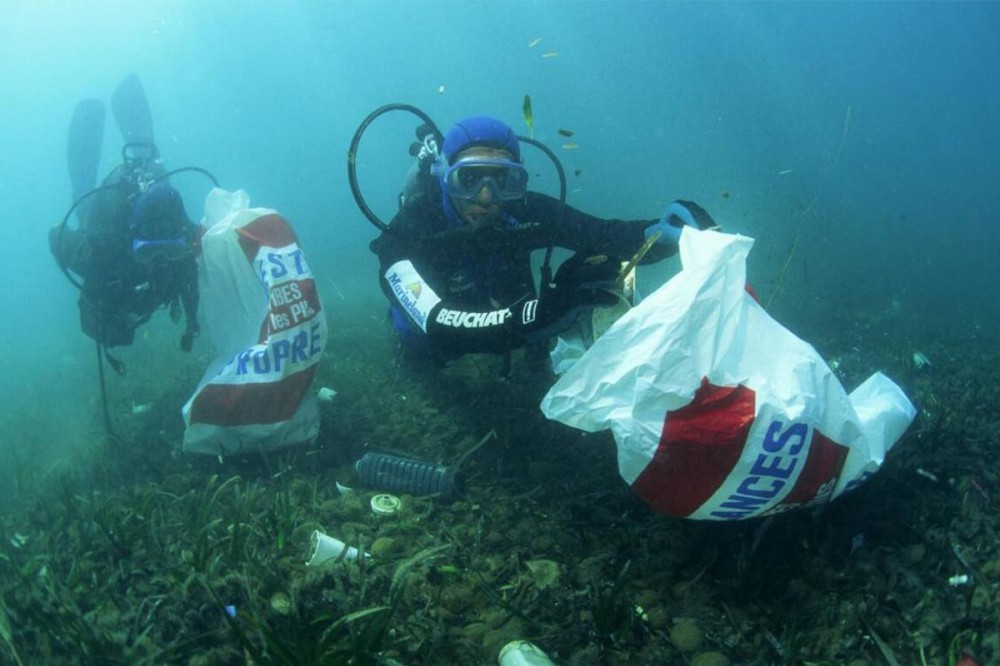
(134, 248)
(135, 253)
(455, 261)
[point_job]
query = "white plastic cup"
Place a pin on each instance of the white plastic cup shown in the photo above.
(523, 653)
(326, 549)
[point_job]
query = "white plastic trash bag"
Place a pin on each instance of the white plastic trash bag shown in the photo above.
(264, 317)
(719, 412)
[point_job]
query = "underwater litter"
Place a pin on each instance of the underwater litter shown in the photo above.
(383, 471)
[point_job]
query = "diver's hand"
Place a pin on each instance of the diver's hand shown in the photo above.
(582, 273)
(581, 283)
(678, 215)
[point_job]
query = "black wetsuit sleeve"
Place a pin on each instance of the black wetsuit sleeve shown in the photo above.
(410, 259)
(575, 230)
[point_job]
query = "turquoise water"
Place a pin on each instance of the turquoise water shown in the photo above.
(858, 143)
(867, 131)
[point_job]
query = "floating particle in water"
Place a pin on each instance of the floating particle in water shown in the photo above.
(529, 118)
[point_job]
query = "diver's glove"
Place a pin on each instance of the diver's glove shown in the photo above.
(678, 215)
(581, 283)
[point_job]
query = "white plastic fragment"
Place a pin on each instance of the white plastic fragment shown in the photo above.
(523, 653)
(928, 475)
(327, 549)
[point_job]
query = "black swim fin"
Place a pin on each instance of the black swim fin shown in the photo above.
(131, 111)
(83, 148)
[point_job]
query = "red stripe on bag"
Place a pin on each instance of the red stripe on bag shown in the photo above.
(267, 230)
(699, 446)
(251, 404)
(285, 315)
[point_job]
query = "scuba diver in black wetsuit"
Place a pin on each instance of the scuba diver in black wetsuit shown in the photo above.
(135, 253)
(455, 260)
(134, 249)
